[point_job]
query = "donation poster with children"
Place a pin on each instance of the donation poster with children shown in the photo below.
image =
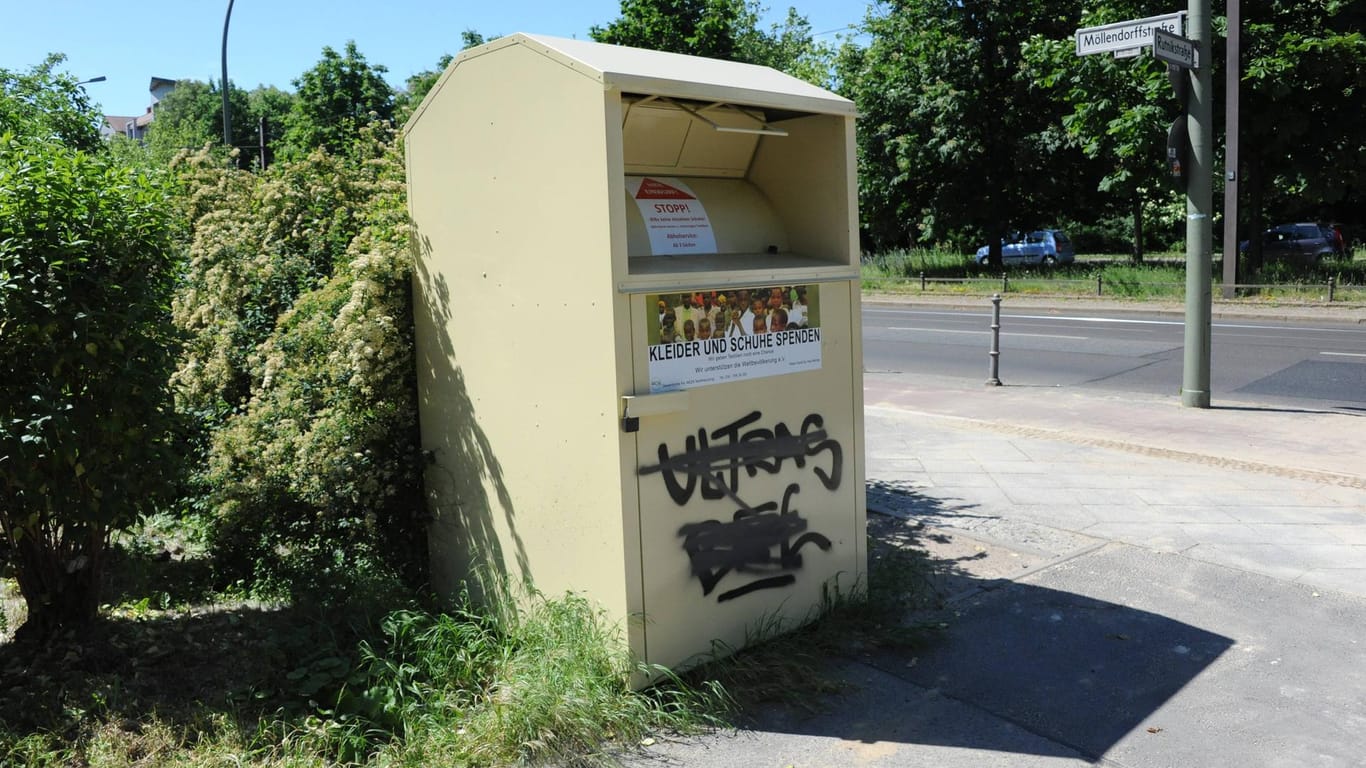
(706, 337)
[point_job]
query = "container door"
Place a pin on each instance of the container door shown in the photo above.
(750, 488)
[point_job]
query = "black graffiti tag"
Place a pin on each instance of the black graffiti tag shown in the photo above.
(718, 466)
(745, 545)
(748, 542)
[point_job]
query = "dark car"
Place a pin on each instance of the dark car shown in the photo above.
(1304, 242)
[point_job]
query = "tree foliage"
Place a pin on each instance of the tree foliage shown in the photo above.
(953, 135)
(720, 29)
(1303, 144)
(191, 116)
(1117, 111)
(48, 105)
(334, 100)
(87, 444)
(975, 114)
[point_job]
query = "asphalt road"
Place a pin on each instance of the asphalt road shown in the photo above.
(1306, 364)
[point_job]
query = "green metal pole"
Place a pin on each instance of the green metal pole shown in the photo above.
(1199, 205)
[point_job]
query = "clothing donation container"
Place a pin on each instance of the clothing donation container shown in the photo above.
(637, 306)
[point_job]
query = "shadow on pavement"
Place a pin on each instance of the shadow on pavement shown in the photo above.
(1020, 669)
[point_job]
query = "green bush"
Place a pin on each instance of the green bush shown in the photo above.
(87, 434)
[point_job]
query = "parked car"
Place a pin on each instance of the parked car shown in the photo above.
(1042, 246)
(1305, 242)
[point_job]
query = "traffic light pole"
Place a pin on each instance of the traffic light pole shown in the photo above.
(1199, 205)
(1232, 74)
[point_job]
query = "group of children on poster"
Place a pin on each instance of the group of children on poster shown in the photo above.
(723, 314)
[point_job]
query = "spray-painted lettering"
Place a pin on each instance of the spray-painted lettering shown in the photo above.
(746, 545)
(762, 540)
(717, 457)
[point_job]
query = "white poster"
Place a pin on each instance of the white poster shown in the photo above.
(674, 217)
(697, 338)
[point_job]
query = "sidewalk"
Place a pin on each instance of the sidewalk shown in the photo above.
(1272, 491)
(1136, 584)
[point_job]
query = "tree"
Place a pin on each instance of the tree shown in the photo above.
(87, 269)
(45, 104)
(1303, 144)
(191, 116)
(1120, 110)
(787, 47)
(274, 105)
(953, 141)
(1302, 83)
(334, 100)
(696, 27)
(720, 29)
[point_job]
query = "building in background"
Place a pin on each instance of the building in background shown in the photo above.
(136, 127)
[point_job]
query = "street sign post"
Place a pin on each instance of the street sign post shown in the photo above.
(1175, 49)
(1189, 156)
(1126, 35)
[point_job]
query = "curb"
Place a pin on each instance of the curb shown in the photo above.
(1351, 314)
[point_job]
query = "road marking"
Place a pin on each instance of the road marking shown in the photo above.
(931, 330)
(1117, 320)
(1003, 333)
(1344, 354)
(1288, 328)
(966, 313)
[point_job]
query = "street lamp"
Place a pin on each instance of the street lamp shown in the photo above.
(227, 110)
(99, 79)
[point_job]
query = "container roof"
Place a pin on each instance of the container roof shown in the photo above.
(656, 73)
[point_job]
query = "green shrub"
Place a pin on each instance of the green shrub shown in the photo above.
(87, 435)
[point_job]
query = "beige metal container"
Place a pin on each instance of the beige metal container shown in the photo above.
(597, 422)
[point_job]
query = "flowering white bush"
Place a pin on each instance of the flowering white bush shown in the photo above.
(300, 364)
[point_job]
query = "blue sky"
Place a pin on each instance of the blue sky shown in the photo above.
(272, 43)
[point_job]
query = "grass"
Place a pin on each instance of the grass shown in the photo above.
(1162, 276)
(178, 675)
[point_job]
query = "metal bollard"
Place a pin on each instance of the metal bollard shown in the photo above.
(1098, 284)
(995, 378)
(1005, 284)
(1330, 289)
(922, 282)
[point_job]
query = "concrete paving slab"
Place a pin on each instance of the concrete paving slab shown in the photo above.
(1349, 580)
(1302, 538)
(1157, 537)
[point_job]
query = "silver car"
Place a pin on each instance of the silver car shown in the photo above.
(1041, 247)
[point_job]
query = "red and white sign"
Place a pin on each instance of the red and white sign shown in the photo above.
(674, 218)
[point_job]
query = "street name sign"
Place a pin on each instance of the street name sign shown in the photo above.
(1126, 35)
(1175, 49)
